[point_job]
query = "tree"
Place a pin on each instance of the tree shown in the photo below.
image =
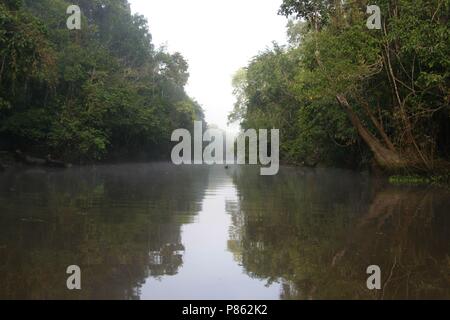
(342, 88)
(371, 73)
(100, 92)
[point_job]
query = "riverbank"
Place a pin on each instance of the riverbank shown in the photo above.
(442, 180)
(439, 177)
(436, 178)
(18, 158)
(6, 160)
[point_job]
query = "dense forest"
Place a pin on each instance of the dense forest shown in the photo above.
(340, 93)
(344, 94)
(100, 93)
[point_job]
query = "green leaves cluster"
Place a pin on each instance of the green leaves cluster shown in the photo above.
(100, 92)
(396, 82)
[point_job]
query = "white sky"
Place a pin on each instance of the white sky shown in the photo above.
(216, 38)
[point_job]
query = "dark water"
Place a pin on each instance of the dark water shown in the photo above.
(158, 231)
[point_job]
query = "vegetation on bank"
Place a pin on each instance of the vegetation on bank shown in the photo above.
(340, 93)
(102, 92)
(437, 180)
(346, 95)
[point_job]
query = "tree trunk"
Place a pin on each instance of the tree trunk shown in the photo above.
(387, 159)
(378, 126)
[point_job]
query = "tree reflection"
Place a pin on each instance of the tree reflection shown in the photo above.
(120, 224)
(317, 231)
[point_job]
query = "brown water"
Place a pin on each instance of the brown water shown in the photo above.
(156, 231)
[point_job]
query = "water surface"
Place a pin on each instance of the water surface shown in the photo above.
(157, 231)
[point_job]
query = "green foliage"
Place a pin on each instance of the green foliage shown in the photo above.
(90, 94)
(396, 82)
(273, 92)
(314, 11)
(409, 180)
(441, 180)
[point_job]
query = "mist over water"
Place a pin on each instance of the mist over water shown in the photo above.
(158, 231)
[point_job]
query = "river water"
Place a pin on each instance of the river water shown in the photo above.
(157, 231)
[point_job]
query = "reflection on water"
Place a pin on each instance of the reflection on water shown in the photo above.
(156, 231)
(317, 231)
(209, 270)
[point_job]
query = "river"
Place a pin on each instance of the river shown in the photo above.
(158, 231)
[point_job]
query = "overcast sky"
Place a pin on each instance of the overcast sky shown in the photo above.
(217, 38)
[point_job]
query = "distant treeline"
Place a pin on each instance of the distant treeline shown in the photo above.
(344, 94)
(102, 92)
